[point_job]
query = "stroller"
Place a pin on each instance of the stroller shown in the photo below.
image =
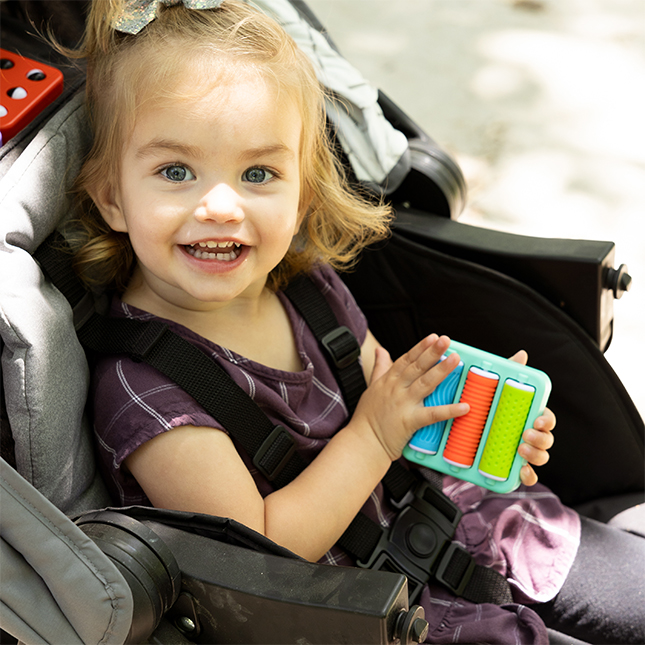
(149, 575)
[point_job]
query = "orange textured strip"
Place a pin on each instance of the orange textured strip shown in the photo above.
(466, 431)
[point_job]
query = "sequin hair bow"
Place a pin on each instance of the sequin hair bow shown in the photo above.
(139, 13)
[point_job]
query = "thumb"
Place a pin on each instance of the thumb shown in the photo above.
(382, 363)
(521, 357)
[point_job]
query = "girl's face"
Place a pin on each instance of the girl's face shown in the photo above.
(209, 193)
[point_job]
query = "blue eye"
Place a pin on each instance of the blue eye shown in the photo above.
(257, 175)
(177, 173)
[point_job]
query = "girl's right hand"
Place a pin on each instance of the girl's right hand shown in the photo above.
(393, 405)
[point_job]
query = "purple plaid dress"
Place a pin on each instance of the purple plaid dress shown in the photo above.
(528, 535)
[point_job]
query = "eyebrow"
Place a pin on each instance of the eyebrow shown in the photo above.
(168, 145)
(278, 149)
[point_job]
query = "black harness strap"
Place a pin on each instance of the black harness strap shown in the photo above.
(410, 546)
(340, 344)
(55, 259)
(271, 448)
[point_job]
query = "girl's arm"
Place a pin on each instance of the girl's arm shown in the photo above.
(198, 468)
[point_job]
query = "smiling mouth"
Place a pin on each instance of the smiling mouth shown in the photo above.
(223, 251)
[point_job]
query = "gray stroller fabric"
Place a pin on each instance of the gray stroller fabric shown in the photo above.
(44, 369)
(372, 145)
(57, 585)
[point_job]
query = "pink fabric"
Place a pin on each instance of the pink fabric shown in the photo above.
(526, 535)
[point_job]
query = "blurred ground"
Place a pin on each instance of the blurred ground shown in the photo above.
(542, 103)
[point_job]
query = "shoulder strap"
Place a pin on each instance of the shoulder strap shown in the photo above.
(340, 344)
(271, 448)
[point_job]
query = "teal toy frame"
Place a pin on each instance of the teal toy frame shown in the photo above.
(519, 395)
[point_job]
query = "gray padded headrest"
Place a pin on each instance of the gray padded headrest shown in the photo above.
(44, 370)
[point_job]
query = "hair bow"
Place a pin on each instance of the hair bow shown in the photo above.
(139, 13)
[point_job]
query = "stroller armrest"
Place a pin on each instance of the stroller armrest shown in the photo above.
(212, 587)
(236, 595)
(577, 276)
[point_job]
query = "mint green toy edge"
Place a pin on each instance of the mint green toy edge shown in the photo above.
(505, 368)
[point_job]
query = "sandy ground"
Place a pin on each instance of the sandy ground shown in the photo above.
(542, 104)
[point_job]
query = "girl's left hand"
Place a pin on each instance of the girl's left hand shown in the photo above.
(537, 440)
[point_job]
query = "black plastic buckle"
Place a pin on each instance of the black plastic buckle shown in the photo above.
(419, 542)
(342, 346)
(274, 453)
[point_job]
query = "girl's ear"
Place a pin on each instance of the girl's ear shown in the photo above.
(108, 202)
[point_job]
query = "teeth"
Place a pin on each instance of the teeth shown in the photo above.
(214, 245)
(233, 247)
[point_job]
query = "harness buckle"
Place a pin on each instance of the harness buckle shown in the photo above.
(419, 543)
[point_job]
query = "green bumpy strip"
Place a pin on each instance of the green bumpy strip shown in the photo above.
(506, 430)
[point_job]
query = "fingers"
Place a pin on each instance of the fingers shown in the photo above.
(538, 440)
(434, 414)
(545, 422)
(416, 361)
(528, 476)
(534, 456)
(422, 356)
(423, 359)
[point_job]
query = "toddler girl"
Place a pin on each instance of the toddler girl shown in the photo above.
(211, 183)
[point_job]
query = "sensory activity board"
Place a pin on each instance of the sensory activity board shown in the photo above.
(505, 398)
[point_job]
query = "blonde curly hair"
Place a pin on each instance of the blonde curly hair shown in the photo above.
(125, 72)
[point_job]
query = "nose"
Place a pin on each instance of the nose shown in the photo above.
(222, 203)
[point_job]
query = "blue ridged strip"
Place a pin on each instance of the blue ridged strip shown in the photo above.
(428, 439)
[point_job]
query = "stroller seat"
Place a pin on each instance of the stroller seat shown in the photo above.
(47, 438)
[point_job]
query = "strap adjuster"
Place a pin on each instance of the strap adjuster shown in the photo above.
(455, 569)
(342, 346)
(152, 331)
(274, 453)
